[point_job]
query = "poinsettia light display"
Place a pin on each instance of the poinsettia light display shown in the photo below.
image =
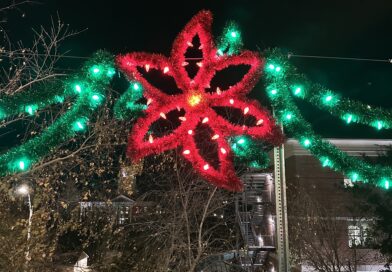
(197, 104)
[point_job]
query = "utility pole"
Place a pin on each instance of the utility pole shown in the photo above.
(282, 241)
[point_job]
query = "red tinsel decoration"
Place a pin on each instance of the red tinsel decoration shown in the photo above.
(197, 103)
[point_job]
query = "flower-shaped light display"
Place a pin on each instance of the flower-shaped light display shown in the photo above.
(196, 106)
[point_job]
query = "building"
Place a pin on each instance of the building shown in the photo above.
(323, 216)
(120, 208)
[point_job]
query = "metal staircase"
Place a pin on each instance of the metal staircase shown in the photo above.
(255, 212)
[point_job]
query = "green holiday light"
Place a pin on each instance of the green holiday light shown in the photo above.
(348, 110)
(20, 158)
(31, 109)
(20, 164)
(79, 125)
(127, 105)
(378, 124)
(354, 176)
(348, 117)
(306, 142)
(241, 141)
(230, 42)
(78, 88)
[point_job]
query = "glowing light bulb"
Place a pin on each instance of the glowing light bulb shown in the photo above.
(189, 44)
(147, 67)
(233, 34)
(277, 69)
(78, 88)
(354, 176)
(288, 116)
(220, 52)
(259, 122)
(306, 142)
(151, 139)
(205, 120)
(110, 72)
(241, 141)
(190, 132)
(79, 125)
(386, 184)
(136, 86)
(231, 101)
(200, 64)
(22, 165)
(185, 63)
(297, 91)
(328, 98)
(163, 115)
(96, 70)
(274, 91)
(379, 125)
(218, 91)
(194, 99)
(349, 118)
(95, 97)
(223, 151)
(325, 162)
(182, 118)
(216, 136)
(246, 110)
(165, 70)
(186, 152)
(206, 167)
(29, 110)
(271, 66)
(149, 101)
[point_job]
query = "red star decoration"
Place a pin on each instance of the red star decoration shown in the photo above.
(197, 104)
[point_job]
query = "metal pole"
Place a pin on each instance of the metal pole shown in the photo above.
(281, 211)
(29, 228)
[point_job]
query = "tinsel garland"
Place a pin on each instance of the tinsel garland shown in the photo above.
(349, 110)
(197, 104)
(230, 41)
(284, 83)
(127, 105)
(88, 91)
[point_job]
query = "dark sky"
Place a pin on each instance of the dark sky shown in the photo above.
(332, 28)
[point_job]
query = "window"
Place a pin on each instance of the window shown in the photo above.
(358, 234)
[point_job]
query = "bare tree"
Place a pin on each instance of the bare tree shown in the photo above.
(319, 237)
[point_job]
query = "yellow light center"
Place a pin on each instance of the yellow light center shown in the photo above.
(194, 99)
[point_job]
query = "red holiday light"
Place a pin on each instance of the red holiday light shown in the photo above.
(197, 103)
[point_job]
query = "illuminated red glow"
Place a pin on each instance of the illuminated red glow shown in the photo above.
(198, 109)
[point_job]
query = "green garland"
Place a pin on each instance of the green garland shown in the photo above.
(284, 83)
(350, 111)
(249, 152)
(127, 106)
(88, 89)
(230, 42)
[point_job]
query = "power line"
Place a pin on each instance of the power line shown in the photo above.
(10, 53)
(291, 55)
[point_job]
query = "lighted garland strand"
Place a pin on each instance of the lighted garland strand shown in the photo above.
(88, 89)
(127, 105)
(230, 41)
(247, 151)
(349, 110)
(283, 82)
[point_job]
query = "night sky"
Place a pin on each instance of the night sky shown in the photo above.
(330, 28)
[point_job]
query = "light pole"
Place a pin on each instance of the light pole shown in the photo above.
(24, 190)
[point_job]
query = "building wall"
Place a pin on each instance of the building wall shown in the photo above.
(306, 176)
